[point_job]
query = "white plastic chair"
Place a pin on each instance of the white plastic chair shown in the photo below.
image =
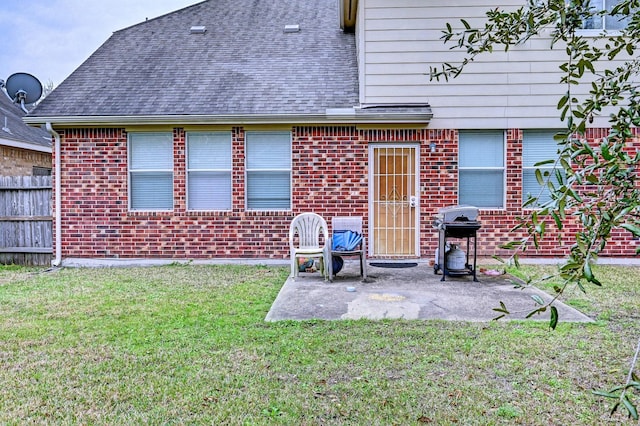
(348, 223)
(309, 238)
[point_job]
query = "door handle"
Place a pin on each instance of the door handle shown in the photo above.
(413, 201)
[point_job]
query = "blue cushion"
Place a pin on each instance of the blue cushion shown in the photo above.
(345, 240)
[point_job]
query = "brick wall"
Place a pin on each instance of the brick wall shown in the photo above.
(20, 162)
(496, 224)
(97, 223)
(329, 177)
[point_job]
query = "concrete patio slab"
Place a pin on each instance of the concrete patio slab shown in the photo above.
(407, 293)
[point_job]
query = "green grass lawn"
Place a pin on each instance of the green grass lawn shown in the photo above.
(189, 345)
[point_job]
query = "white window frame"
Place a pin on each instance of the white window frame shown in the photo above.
(228, 169)
(503, 168)
(248, 170)
(130, 171)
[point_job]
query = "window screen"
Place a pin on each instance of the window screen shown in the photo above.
(268, 167)
(481, 168)
(537, 146)
(209, 171)
(151, 171)
(41, 171)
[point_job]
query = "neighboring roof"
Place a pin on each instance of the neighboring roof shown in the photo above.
(245, 64)
(15, 133)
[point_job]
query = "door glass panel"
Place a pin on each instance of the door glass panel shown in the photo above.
(394, 178)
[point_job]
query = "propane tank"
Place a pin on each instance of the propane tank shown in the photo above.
(456, 259)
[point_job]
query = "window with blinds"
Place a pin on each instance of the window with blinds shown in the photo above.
(537, 146)
(150, 171)
(209, 170)
(481, 168)
(268, 168)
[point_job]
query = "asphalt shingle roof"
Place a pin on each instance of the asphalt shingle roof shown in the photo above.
(244, 64)
(13, 128)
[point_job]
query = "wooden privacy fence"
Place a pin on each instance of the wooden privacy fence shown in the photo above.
(26, 235)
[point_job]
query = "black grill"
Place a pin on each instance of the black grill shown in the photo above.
(456, 222)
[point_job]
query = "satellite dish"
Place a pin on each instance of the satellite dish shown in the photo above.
(23, 88)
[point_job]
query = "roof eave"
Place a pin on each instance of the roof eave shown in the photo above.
(386, 118)
(25, 145)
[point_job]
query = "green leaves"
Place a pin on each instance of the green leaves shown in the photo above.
(621, 394)
(634, 229)
(633, 412)
(538, 299)
(553, 321)
(595, 188)
(502, 310)
(588, 274)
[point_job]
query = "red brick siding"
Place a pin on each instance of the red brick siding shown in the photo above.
(438, 182)
(496, 225)
(330, 172)
(329, 176)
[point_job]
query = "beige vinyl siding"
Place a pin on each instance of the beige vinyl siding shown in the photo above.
(400, 39)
